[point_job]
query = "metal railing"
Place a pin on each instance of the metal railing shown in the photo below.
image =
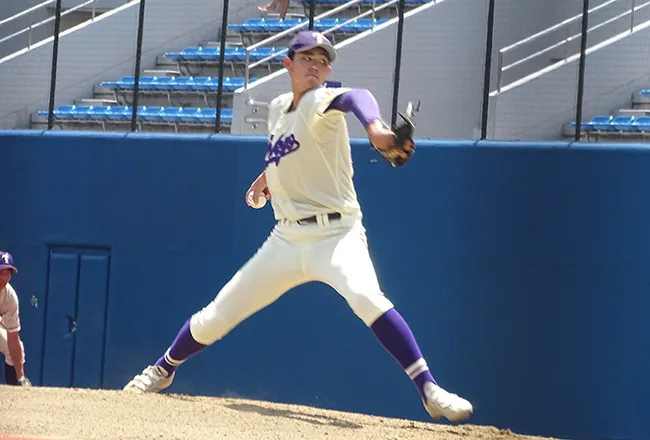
(271, 39)
(33, 25)
(568, 38)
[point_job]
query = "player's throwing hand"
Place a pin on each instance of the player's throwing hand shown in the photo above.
(258, 193)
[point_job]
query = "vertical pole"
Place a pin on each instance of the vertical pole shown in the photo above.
(398, 61)
(222, 55)
(581, 68)
(55, 58)
(489, 41)
(136, 76)
(312, 8)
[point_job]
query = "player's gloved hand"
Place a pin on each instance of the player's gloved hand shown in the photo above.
(395, 146)
(24, 382)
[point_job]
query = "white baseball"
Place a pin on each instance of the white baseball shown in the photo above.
(261, 201)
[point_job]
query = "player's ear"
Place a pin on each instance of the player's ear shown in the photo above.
(287, 63)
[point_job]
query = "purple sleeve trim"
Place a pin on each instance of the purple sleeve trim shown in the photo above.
(360, 102)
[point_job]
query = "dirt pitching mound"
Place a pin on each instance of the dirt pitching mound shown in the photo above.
(81, 414)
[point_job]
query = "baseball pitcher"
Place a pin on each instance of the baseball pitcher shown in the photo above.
(319, 235)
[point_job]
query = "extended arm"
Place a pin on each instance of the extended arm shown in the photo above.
(16, 353)
(366, 109)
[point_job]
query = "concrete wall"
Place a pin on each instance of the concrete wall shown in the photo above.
(538, 108)
(104, 50)
(447, 77)
(521, 21)
(526, 283)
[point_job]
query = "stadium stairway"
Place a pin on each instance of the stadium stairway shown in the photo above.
(624, 125)
(179, 94)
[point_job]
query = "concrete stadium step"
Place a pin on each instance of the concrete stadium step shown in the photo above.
(96, 101)
(161, 72)
(165, 63)
(640, 101)
(176, 100)
(40, 123)
(633, 112)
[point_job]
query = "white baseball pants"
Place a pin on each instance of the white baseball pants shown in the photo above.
(333, 252)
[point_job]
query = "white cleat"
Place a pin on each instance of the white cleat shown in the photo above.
(440, 403)
(153, 379)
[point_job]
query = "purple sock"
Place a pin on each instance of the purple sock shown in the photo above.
(394, 334)
(10, 375)
(181, 349)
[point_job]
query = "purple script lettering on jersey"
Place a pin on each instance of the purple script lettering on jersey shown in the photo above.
(280, 148)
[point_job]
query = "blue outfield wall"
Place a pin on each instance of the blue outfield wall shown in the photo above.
(523, 270)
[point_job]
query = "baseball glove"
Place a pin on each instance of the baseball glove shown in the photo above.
(403, 133)
(24, 382)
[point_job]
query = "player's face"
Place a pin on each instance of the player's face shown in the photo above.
(309, 69)
(5, 276)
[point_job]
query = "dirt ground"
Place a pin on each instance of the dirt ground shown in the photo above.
(81, 414)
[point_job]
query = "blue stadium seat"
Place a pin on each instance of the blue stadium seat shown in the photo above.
(325, 23)
(601, 123)
(98, 112)
(163, 82)
(261, 53)
(185, 83)
(642, 123)
(188, 114)
(170, 114)
(226, 115)
(250, 25)
(81, 112)
(209, 53)
(111, 84)
(288, 23)
(201, 83)
(209, 115)
(623, 123)
(280, 53)
(144, 83)
(237, 27)
(173, 55)
(182, 83)
(191, 53)
(60, 112)
(272, 25)
(151, 113)
(128, 82)
(645, 92)
(120, 113)
(239, 54)
(63, 111)
(360, 25)
(347, 28)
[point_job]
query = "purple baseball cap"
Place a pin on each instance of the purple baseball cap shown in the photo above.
(306, 40)
(7, 261)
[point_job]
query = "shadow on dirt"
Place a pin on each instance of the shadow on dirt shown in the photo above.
(309, 418)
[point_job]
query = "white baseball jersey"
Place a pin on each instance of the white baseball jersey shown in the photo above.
(309, 173)
(9, 309)
(309, 162)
